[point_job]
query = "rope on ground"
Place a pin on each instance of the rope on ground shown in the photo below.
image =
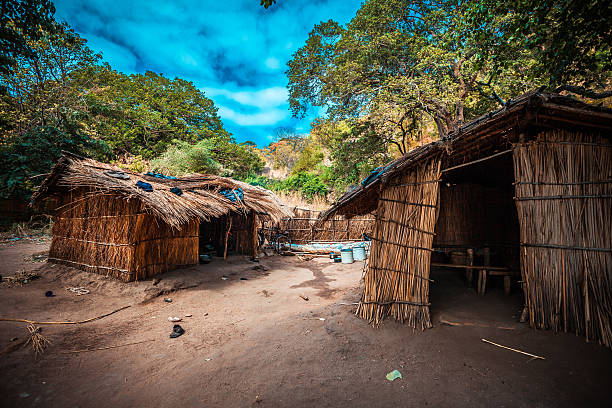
(108, 347)
(6, 319)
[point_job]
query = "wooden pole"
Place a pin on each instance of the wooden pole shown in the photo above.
(255, 237)
(469, 272)
(515, 350)
(227, 234)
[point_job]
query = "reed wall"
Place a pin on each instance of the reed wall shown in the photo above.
(112, 236)
(473, 214)
(303, 229)
(397, 275)
(564, 201)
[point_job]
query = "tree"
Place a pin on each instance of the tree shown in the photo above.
(33, 153)
(21, 22)
(267, 3)
(402, 67)
(141, 114)
(41, 114)
(570, 40)
(287, 149)
(39, 90)
(214, 155)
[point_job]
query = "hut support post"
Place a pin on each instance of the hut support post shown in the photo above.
(227, 234)
(482, 277)
(255, 237)
(469, 272)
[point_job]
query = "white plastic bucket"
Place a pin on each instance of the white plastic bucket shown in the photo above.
(346, 255)
(359, 253)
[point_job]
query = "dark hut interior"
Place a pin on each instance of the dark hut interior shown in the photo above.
(477, 221)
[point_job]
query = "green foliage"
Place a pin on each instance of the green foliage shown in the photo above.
(143, 113)
(265, 182)
(570, 40)
(238, 160)
(353, 152)
(308, 184)
(287, 149)
(21, 21)
(314, 187)
(309, 159)
(32, 154)
(208, 156)
(39, 90)
(182, 158)
(137, 164)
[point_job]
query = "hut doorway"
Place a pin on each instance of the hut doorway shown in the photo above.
(476, 246)
(228, 235)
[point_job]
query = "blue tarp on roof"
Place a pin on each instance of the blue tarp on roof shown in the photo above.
(159, 176)
(374, 174)
(233, 195)
(144, 186)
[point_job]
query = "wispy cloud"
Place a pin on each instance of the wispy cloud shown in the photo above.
(262, 98)
(269, 117)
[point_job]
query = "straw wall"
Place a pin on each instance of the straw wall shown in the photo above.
(106, 234)
(302, 228)
(472, 215)
(564, 201)
(159, 248)
(244, 234)
(397, 277)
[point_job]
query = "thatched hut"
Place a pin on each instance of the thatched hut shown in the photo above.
(132, 226)
(528, 186)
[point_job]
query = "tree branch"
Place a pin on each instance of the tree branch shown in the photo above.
(579, 90)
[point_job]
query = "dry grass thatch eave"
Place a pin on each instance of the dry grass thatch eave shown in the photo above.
(200, 198)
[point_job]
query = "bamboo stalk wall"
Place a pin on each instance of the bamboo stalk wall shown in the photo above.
(397, 276)
(302, 228)
(473, 215)
(106, 234)
(564, 201)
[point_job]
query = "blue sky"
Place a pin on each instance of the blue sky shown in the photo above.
(234, 50)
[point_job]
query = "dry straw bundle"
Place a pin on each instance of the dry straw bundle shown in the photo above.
(36, 339)
(397, 278)
(564, 200)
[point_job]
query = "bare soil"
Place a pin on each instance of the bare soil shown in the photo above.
(256, 342)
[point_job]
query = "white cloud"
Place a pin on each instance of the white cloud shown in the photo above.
(263, 98)
(189, 60)
(263, 118)
(272, 63)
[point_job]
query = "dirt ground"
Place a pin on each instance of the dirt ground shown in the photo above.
(256, 342)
